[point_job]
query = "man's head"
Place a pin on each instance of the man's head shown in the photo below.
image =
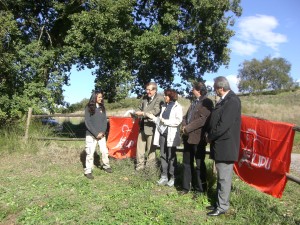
(151, 89)
(199, 89)
(221, 86)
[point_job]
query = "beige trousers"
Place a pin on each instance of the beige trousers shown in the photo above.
(90, 147)
(145, 151)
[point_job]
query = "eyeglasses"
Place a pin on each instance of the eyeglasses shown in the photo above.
(149, 89)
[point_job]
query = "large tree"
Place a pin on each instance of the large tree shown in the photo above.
(132, 42)
(33, 64)
(127, 42)
(269, 74)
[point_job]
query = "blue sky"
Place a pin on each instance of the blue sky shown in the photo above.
(266, 28)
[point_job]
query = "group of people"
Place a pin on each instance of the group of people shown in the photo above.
(163, 125)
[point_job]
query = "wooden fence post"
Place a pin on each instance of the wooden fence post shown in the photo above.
(27, 124)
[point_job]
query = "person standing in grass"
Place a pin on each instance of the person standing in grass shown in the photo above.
(145, 150)
(224, 138)
(96, 126)
(167, 136)
(193, 128)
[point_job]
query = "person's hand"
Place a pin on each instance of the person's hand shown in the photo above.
(139, 113)
(183, 130)
(151, 116)
(100, 135)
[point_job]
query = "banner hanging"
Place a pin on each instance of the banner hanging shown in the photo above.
(122, 137)
(265, 154)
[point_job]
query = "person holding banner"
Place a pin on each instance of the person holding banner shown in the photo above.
(167, 135)
(151, 104)
(224, 138)
(193, 128)
(96, 126)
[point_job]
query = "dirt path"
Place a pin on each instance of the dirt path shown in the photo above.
(295, 164)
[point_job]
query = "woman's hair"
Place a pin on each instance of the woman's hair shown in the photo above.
(172, 94)
(93, 100)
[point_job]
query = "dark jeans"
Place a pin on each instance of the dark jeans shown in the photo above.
(196, 177)
(167, 157)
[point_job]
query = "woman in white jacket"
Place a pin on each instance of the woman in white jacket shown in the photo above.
(167, 135)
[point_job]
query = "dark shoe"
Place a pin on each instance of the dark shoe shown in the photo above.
(108, 170)
(216, 212)
(89, 176)
(211, 207)
(184, 192)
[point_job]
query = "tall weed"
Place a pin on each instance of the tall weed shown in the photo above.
(12, 137)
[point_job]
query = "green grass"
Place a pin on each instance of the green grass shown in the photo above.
(47, 186)
(42, 182)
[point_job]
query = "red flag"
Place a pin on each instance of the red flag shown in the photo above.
(122, 137)
(265, 154)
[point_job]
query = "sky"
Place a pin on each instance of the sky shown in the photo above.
(266, 28)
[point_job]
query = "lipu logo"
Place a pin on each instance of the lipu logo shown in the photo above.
(250, 154)
(124, 142)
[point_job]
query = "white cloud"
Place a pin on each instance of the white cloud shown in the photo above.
(257, 31)
(233, 81)
(243, 48)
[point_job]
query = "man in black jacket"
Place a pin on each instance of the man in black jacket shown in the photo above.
(224, 138)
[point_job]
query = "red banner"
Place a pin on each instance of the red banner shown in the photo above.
(265, 154)
(122, 137)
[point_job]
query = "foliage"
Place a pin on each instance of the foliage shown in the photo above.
(33, 65)
(269, 74)
(127, 103)
(133, 42)
(127, 42)
(79, 106)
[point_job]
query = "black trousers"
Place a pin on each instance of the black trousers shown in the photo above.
(167, 157)
(191, 175)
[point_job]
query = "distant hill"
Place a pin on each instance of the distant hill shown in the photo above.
(283, 107)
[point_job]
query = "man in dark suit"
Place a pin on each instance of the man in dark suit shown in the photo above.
(151, 104)
(193, 124)
(224, 138)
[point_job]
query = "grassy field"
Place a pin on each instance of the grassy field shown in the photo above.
(47, 186)
(42, 182)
